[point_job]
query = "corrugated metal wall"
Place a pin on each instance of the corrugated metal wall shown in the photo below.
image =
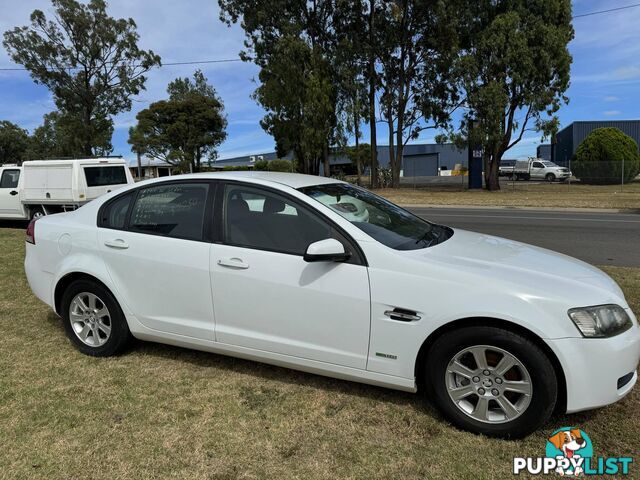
(449, 154)
(544, 151)
(568, 139)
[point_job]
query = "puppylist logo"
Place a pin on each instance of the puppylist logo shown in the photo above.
(569, 452)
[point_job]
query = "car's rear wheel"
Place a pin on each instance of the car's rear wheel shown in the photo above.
(93, 319)
(550, 177)
(491, 381)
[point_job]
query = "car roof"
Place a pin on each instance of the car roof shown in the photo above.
(293, 180)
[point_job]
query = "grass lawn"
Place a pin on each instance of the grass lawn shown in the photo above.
(523, 194)
(164, 412)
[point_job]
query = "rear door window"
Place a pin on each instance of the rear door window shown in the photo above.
(105, 175)
(173, 210)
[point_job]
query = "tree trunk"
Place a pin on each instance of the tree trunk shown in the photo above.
(372, 100)
(86, 144)
(357, 150)
(325, 160)
(392, 149)
(395, 179)
(491, 171)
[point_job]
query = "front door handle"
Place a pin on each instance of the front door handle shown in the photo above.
(234, 262)
(117, 243)
(13, 192)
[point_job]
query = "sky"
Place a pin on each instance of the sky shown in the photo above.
(605, 75)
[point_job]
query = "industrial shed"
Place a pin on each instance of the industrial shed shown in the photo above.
(420, 159)
(568, 139)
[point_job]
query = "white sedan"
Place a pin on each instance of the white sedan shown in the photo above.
(318, 275)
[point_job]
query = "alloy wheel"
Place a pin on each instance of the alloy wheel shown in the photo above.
(90, 319)
(488, 384)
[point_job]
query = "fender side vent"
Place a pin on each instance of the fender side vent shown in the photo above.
(402, 315)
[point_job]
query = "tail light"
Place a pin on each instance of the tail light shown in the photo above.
(31, 232)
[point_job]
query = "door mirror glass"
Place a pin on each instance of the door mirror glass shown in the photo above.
(328, 250)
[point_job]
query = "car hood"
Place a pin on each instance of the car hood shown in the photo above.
(488, 258)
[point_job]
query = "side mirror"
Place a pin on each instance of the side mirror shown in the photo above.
(329, 250)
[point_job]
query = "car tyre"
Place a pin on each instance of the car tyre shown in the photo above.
(550, 177)
(532, 364)
(93, 320)
(36, 213)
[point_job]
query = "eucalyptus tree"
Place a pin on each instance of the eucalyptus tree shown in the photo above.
(89, 60)
(514, 71)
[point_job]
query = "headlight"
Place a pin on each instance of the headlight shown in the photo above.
(601, 320)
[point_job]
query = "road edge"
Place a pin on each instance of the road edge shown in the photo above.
(634, 211)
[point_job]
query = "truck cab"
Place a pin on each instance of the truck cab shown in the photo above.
(11, 207)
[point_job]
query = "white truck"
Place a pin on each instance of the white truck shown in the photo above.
(536, 168)
(43, 187)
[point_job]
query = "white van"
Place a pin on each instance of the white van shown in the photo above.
(43, 187)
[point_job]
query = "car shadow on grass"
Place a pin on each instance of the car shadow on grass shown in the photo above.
(272, 373)
(418, 403)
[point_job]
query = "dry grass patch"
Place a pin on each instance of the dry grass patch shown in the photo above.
(164, 412)
(523, 194)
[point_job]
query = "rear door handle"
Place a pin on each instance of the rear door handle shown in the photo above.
(13, 192)
(234, 262)
(117, 243)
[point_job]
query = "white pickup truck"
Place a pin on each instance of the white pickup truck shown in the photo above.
(43, 187)
(536, 168)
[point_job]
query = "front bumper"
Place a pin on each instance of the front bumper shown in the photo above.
(593, 366)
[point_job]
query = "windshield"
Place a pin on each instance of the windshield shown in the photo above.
(549, 164)
(379, 218)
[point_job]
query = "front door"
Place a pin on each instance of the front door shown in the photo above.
(266, 297)
(154, 247)
(10, 205)
(537, 169)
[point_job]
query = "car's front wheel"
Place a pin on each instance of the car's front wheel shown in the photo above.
(550, 177)
(491, 381)
(93, 319)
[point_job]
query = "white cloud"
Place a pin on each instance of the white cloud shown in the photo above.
(611, 113)
(627, 72)
(611, 98)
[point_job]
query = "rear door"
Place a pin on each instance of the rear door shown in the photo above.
(10, 205)
(157, 254)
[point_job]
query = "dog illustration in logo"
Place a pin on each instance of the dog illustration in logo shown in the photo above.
(568, 442)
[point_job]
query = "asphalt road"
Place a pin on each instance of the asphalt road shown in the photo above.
(597, 238)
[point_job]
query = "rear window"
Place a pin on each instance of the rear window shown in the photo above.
(107, 175)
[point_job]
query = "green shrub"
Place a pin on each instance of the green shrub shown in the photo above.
(599, 159)
(261, 165)
(281, 166)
